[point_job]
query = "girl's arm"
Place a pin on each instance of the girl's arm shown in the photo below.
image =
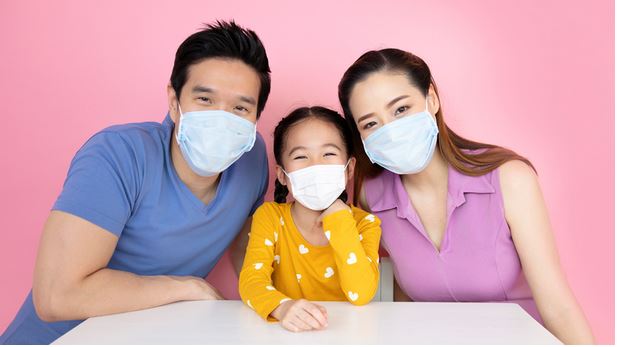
(255, 282)
(527, 217)
(354, 237)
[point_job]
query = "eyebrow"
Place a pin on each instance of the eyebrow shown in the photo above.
(392, 102)
(243, 98)
(304, 148)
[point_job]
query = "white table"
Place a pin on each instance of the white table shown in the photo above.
(231, 322)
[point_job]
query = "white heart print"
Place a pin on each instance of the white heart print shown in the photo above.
(258, 265)
(327, 233)
(352, 296)
(270, 288)
(329, 272)
(303, 249)
(277, 259)
(268, 242)
(352, 258)
(299, 277)
(370, 218)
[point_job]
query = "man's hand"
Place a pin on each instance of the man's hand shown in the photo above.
(198, 289)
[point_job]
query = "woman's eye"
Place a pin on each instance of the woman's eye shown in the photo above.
(369, 125)
(204, 99)
(241, 109)
(401, 110)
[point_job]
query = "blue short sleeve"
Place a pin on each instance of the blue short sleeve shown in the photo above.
(101, 184)
(264, 175)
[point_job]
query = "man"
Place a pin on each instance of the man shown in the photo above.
(147, 209)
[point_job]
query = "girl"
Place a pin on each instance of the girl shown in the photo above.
(463, 222)
(317, 247)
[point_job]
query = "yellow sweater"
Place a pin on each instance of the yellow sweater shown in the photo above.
(280, 264)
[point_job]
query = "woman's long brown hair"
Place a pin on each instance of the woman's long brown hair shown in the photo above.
(466, 156)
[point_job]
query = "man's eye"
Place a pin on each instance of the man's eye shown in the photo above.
(401, 110)
(241, 109)
(204, 99)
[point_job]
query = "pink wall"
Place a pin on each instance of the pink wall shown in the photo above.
(537, 76)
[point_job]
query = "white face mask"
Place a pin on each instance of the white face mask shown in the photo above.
(210, 141)
(405, 146)
(317, 187)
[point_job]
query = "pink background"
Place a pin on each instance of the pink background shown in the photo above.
(536, 76)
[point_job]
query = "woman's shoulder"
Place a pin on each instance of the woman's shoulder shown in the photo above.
(515, 173)
(374, 188)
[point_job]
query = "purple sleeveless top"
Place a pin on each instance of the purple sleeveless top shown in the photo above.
(477, 261)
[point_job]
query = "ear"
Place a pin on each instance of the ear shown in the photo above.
(172, 100)
(433, 102)
(280, 175)
(350, 168)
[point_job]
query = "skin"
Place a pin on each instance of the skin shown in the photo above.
(71, 280)
(307, 143)
(386, 96)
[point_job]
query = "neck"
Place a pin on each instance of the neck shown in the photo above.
(304, 218)
(204, 188)
(433, 177)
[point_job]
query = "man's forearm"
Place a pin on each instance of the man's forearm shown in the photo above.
(108, 291)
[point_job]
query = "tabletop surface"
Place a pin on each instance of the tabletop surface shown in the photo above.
(231, 322)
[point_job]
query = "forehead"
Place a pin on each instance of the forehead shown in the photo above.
(224, 74)
(312, 132)
(379, 88)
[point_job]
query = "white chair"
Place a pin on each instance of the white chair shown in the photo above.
(385, 290)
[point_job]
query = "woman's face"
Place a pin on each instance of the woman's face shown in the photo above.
(384, 97)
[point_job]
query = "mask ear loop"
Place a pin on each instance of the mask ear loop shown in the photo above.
(346, 165)
(179, 123)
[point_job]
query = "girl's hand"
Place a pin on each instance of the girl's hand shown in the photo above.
(337, 205)
(301, 315)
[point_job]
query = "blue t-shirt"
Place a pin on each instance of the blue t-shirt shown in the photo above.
(123, 180)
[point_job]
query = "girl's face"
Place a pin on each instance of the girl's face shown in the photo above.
(384, 97)
(310, 142)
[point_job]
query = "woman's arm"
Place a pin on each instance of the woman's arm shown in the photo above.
(72, 281)
(528, 219)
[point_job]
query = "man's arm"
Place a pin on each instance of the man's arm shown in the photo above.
(238, 247)
(72, 281)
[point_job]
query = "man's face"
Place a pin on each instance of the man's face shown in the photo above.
(218, 84)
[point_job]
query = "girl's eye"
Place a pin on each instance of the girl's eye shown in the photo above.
(300, 157)
(401, 110)
(329, 154)
(369, 125)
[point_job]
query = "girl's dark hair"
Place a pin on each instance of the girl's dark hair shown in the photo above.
(225, 40)
(459, 152)
(296, 116)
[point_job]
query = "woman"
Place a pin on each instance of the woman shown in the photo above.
(466, 222)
